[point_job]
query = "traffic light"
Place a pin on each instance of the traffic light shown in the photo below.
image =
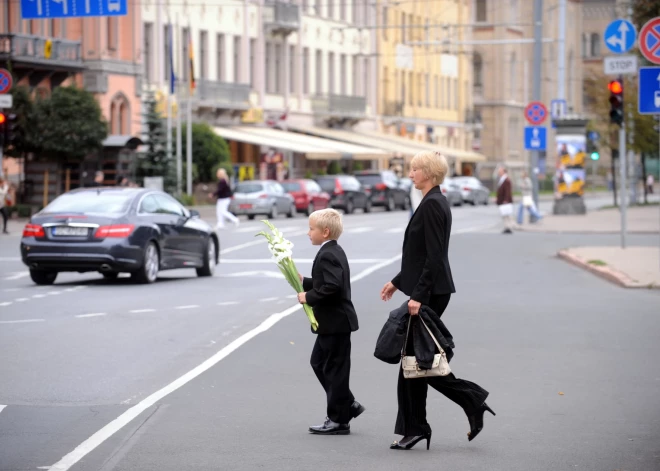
(616, 101)
(592, 146)
(11, 124)
(3, 126)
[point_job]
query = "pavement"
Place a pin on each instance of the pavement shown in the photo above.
(197, 374)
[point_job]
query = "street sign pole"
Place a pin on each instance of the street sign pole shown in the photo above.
(536, 90)
(623, 196)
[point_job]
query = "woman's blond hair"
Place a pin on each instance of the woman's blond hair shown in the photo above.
(222, 173)
(328, 219)
(432, 164)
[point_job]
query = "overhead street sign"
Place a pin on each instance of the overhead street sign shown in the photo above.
(620, 36)
(648, 101)
(6, 101)
(620, 65)
(536, 113)
(649, 40)
(5, 81)
(39, 9)
(535, 138)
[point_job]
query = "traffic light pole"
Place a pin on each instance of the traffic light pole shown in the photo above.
(536, 90)
(623, 195)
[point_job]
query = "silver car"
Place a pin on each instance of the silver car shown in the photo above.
(472, 190)
(452, 192)
(265, 197)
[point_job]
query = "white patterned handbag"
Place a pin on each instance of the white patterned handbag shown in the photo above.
(409, 364)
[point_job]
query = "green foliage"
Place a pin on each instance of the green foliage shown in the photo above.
(154, 162)
(208, 149)
(309, 174)
(68, 124)
(644, 10)
(358, 166)
(187, 200)
(334, 168)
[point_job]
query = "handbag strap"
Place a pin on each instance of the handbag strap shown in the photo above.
(405, 342)
(432, 336)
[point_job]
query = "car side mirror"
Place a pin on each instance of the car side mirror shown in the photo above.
(194, 214)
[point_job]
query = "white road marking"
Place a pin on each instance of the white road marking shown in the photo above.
(396, 230)
(261, 227)
(23, 321)
(10, 259)
(248, 261)
(54, 293)
(191, 306)
(242, 246)
(2, 407)
(10, 290)
(268, 274)
(96, 314)
(359, 230)
(140, 311)
(228, 303)
(113, 427)
(292, 296)
(21, 300)
(38, 296)
(267, 300)
(16, 276)
(6, 303)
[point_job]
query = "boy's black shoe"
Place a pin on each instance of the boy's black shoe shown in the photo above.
(357, 409)
(330, 428)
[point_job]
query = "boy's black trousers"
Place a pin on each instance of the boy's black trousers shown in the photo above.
(331, 361)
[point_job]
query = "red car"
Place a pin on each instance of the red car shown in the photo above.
(307, 194)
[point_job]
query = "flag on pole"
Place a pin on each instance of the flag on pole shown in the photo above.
(170, 47)
(191, 57)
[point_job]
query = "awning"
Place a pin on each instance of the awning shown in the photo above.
(310, 151)
(120, 140)
(347, 150)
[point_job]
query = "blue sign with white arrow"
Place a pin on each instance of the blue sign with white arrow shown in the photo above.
(40, 9)
(648, 101)
(535, 138)
(620, 36)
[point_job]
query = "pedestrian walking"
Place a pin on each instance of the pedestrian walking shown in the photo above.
(426, 278)
(328, 292)
(527, 200)
(223, 193)
(5, 202)
(505, 199)
(650, 181)
(99, 177)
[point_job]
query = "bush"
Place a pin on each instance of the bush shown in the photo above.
(309, 174)
(334, 168)
(187, 200)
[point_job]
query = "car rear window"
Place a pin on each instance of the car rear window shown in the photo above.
(327, 184)
(249, 188)
(291, 186)
(372, 179)
(91, 202)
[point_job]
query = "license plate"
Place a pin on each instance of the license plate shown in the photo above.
(245, 206)
(63, 231)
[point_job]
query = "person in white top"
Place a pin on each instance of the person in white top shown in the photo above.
(4, 195)
(415, 198)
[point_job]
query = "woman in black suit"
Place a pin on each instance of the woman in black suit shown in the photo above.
(425, 276)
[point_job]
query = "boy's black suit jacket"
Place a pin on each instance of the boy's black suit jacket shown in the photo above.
(329, 291)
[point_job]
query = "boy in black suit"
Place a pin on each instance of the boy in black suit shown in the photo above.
(328, 292)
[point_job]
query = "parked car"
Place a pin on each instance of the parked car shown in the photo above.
(452, 192)
(385, 189)
(345, 192)
(307, 194)
(472, 190)
(406, 183)
(265, 197)
(114, 230)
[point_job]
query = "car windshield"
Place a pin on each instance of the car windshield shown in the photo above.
(249, 188)
(327, 184)
(373, 179)
(291, 186)
(91, 202)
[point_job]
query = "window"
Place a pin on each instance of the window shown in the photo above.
(269, 68)
(514, 141)
(570, 84)
(420, 89)
(403, 27)
(185, 37)
(253, 64)
(113, 33)
(356, 78)
(220, 57)
(237, 59)
(203, 54)
(147, 56)
(305, 67)
(331, 8)
(278, 69)
(513, 75)
(343, 73)
(166, 55)
(319, 73)
(595, 45)
(585, 45)
(331, 73)
(411, 95)
(293, 78)
(386, 89)
(149, 205)
(428, 90)
(384, 21)
(481, 10)
(454, 95)
(356, 12)
(367, 77)
(513, 12)
(169, 205)
(342, 10)
(478, 70)
(120, 115)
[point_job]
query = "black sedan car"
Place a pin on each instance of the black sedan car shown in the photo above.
(114, 230)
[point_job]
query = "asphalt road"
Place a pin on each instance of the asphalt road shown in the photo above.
(84, 352)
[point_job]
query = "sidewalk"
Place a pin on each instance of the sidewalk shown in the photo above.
(640, 219)
(632, 267)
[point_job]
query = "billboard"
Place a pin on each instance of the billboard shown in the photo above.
(570, 175)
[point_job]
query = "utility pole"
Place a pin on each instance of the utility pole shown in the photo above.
(623, 196)
(561, 52)
(536, 89)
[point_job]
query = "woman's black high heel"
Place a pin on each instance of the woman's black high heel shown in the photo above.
(407, 445)
(477, 421)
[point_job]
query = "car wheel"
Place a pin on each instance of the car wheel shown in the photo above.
(41, 277)
(148, 272)
(390, 206)
(292, 211)
(110, 275)
(367, 206)
(310, 209)
(486, 200)
(208, 269)
(251, 217)
(349, 207)
(273, 213)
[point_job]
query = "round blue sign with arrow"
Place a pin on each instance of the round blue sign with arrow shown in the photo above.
(620, 36)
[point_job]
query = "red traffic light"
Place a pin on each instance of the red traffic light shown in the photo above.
(3, 118)
(615, 87)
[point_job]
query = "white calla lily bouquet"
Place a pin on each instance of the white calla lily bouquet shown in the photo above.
(281, 250)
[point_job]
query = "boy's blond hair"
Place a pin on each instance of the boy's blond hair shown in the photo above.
(432, 164)
(328, 219)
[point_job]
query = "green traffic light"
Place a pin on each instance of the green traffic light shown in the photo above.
(595, 156)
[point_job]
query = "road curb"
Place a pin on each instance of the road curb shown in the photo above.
(604, 272)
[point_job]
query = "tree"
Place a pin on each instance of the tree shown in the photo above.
(643, 11)
(154, 162)
(69, 124)
(208, 151)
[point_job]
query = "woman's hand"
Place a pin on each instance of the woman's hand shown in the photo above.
(388, 290)
(413, 307)
(302, 298)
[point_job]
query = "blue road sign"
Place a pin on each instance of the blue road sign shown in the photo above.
(620, 36)
(38, 9)
(648, 100)
(535, 138)
(557, 108)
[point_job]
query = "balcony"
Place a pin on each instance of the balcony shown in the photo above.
(340, 106)
(221, 95)
(393, 108)
(28, 51)
(281, 18)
